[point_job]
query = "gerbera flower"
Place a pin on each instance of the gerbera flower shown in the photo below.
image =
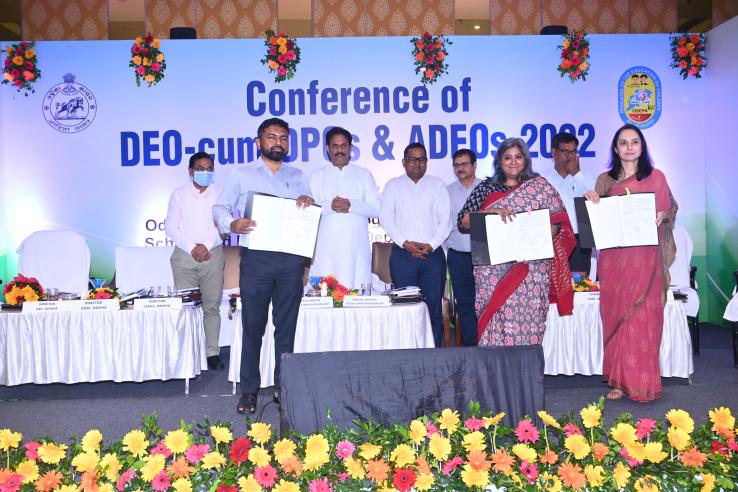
(404, 479)
(721, 417)
(526, 431)
(474, 424)
(240, 450)
(529, 471)
(571, 429)
(196, 452)
(161, 481)
(693, 457)
(344, 449)
(680, 419)
(451, 465)
(591, 416)
(548, 419)
(265, 475)
(572, 476)
(377, 470)
(644, 428)
(320, 485)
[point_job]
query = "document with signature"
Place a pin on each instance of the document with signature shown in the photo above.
(281, 226)
(526, 237)
(622, 221)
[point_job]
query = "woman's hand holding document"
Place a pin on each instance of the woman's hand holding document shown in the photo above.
(526, 237)
(625, 220)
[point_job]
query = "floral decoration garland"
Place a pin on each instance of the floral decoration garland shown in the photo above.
(688, 54)
(430, 55)
(336, 290)
(147, 60)
(584, 284)
(23, 289)
(282, 56)
(103, 293)
(442, 452)
(574, 56)
(21, 67)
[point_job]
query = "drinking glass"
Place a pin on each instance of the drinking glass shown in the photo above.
(97, 282)
(52, 294)
(366, 289)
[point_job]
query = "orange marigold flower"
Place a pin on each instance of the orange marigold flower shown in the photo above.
(423, 467)
(48, 481)
(693, 457)
(572, 476)
(502, 462)
(181, 468)
(88, 482)
(549, 457)
(478, 460)
(599, 451)
(377, 470)
(291, 465)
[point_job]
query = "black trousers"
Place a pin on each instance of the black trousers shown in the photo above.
(462, 280)
(581, 258)
(265, 277)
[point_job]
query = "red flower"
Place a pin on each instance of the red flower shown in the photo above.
(426, 35)
(695, 38)
(526, 431)
(682, 64)
(290, 55)
(273, 51)
(682, 41)
(155, 67)
(576, 60)
(644, 427)
(161, 481)
(693, 71)
(20, 52)
(529, 470)
(404, 479)
(240, 450)
(19, 83)
(31, 450)
(571, 429)
(718, 448)
(226, 488)
(282, 59)
(135, 49)
(682, 51)
(28, 65)
(7, 62)
(290, 44)
(451, 465)
(148, 39)
(576, 43)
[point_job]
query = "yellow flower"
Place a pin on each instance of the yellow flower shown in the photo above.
(111, 466)
(439, 447)
(591, 416)
(647, 484)
(449, 420)
(316, 452)
(160, 57)
(7, 76)
(566, 43)
(221, 434)
(548, 419)
(286, 486)
(105, 487)
(139, 40)
(551, 483)
(9, 439)
(402, 455)
(9, 50)
(282, 50)
(594, 474)
(135, 443)
(177, 441)
(424, 481)
(283, 449)
(18, 60)
(708, 482)
(281, 41)
(369, 451)
(577, 445)
(636, 450)
(28, 470)
(474, 441)
(149, 78)
(146, 61)
(67, 488)
(490, 421)
(249, 484)
(155, 43)
(654, 452)
(182, 485)
(91, 441)
(524, 452)
(721, 417)
(621, 474)
(154, 464)
(474, 478)
(417, 431)
(678, 438)
(680, 419)
(213, 460)
(85, 461)
(136, 59)
(30, 54)
(259, 456)
(354, 468)
(260, 432)
(273, 65)
(52, 453)
(623, 433)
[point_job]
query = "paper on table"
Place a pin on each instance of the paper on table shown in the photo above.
(282, 226)
(626, 220)
(526, 237)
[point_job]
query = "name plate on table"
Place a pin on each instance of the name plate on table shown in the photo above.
(366, 301)
(150, 303)
(71, 306)
(317, 302)
(583, 297)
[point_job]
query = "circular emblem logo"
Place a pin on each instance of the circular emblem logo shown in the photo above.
(639, 97)
(69, 107)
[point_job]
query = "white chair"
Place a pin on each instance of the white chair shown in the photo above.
(682, 276)
(142, 267)
(59, 259)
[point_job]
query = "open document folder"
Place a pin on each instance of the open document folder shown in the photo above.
(280, 225)
(527, 237)
(617, 221)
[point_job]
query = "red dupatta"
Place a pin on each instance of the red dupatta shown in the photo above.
(560, 290)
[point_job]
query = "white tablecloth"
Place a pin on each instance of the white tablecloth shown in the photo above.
(128, 345)
(336, 329)
(573, 344)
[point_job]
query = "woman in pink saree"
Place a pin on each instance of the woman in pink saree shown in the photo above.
(634, 280)
(512, 298)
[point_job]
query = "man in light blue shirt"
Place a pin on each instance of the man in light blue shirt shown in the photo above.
(459, 245)
(265, 276)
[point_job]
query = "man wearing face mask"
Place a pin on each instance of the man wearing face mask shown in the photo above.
(197, 260)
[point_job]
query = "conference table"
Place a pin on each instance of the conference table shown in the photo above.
(400, 326)
(85, 347)
(574, 344)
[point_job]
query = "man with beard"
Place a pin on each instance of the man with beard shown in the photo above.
(265, 276)
(349, 197)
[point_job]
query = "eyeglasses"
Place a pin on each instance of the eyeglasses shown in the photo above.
(567, 152)
(273, 137)
(461, 164)
(416, 160)
(207, 169)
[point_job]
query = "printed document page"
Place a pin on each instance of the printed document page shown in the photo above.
(626, 220)
(526, 237)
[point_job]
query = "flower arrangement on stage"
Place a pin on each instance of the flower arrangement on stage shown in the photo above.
(574, 56)
(22, 289)
(21, 67)
(582, 283)
(430, 56)
(688, 54)
(282, 56)
(103, 293)
(441, 452)
(147, 60)
(336, 290)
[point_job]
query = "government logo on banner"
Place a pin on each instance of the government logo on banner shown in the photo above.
(69, 107)
(639, 97)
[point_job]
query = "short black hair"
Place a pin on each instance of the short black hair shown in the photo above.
(414, 145)
(271, 122)
(469, 152)
(198, 156)
(337, 130)
(563, 138)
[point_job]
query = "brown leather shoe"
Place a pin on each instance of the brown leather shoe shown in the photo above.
(247, 402)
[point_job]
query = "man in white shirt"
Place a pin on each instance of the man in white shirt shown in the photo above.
(459, 245)
(349, 197)
(570, 181)
(415, 212)
(197, 260)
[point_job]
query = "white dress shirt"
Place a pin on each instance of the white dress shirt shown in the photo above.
(416, 211)
(570, 187)
(189, 219)
(457, 195)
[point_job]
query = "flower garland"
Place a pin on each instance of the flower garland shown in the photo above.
(147, 60)
(582, 283)
(282, 56)
(103, 293)
(442, 452)
(574, 56)
(688, 54)
(21, 67)
(336, 290)
(430, 55)
(23, 289)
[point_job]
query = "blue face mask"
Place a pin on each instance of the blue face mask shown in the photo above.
(203, 178)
